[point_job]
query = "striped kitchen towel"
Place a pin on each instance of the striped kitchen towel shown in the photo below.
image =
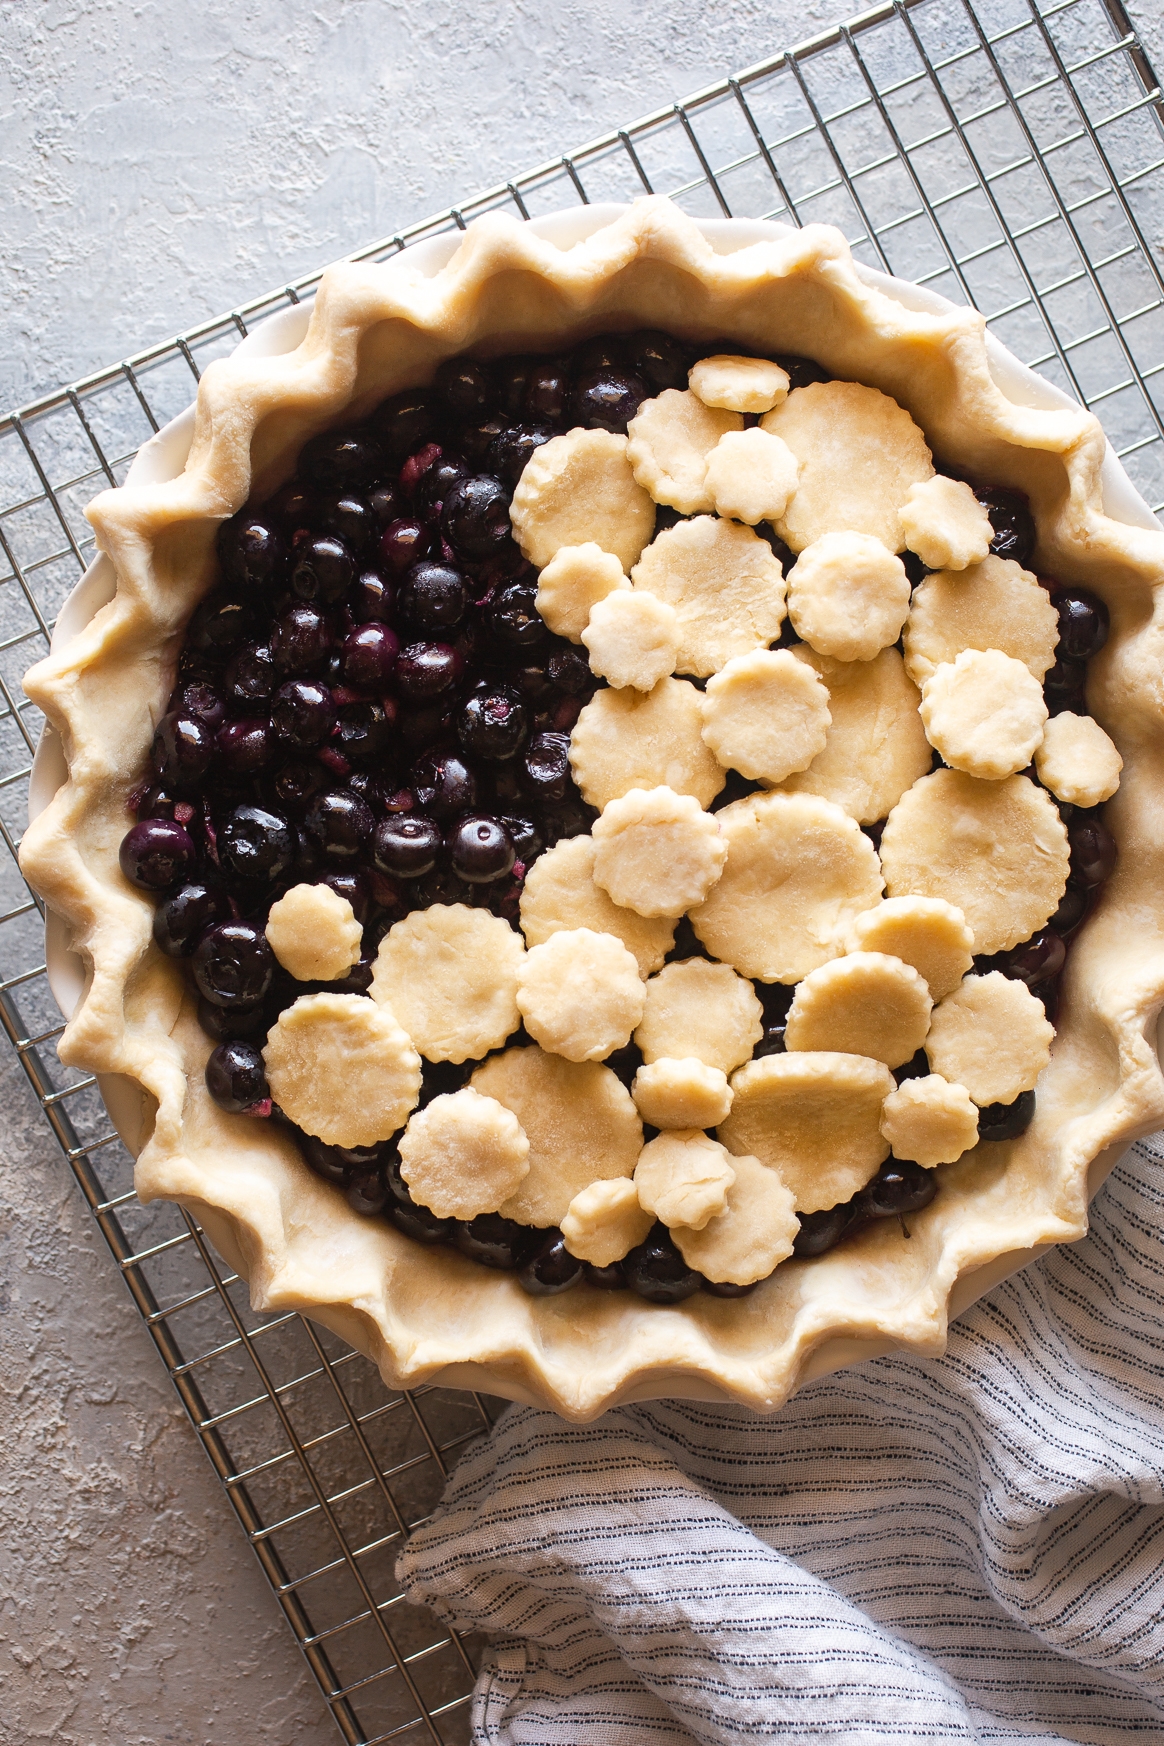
(960, 1549)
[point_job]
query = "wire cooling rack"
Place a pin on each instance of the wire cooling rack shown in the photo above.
(1004, 156)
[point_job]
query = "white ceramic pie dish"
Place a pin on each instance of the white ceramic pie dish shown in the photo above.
(613, 1361)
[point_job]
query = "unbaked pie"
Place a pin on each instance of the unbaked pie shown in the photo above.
(612, 814)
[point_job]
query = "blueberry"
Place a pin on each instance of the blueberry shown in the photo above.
(772, 1041)
(425, 670)
(233, 964)
(182, 750)
(296, 781)
(350, 518)
(225, 1024)
(657, 1271)
(363, 732)
(435, 481)
(368, 656)
(475, 516)
(245, 747)
(220, 624)
(917, 1067)
(333, 1163)
(566, 818)
(385, 501)
(292, 508)
(157, 854)
(610, 1278)
(251, 551)
(339, 458)
(339, 823)
(351, 885)
(898, 1187)
(725, 1288)
(203, 702)
(547, 388)
(403, 423)
(1065, 687)
(514, 618)
(432, 597)
(551, 1268)
(494, 1241)
(606, 400)
(492, 724)
(250, 675)
(371, 599)
(303, 713)
(475, 440)
(464, 387)
(367, 1193)
(607, 351)
(414, 1221)
(300, 639)
(1011, 519)
(525, 837)
(510, 381)
(1072, 909)
(1093, 850)
(407, 845)
(658, 360)
(1006, 1121)
(1083, 623)
(802, 372)
(322, 570)
(545, 768)
(1038, 960)
(512, 447)
(569, 671)
(182, 918)
(157, 802)
(820, 1231)
(236, 1078)
(256, 845)
(481, 849)
(403, 542)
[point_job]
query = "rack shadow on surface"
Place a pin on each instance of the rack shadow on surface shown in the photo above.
(1004, 156)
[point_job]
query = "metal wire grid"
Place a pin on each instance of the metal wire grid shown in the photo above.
(1004, 156)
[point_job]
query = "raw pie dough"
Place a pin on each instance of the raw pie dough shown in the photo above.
(766, 715)
(580, 994)
(724, 582)
(576, 490)
(945, 524)
(992, 605)
(683, 1178)
(751, 475)
(876, 746)
(463, 1154)
(668, 443)
(848, 596)
(929, 1121)
(682, 1093)
(865, 1003)
(700, 1009)
(624, 740)
(992, 1036)
(573, 582)
(753, 1234)
(740, 384)
(984, 713)
(657, 852)
(341, 1068)
(927, 932)
(605, 1222)
(632, 639)
(560, 893)
(314, 933)
(814, 1119)
(1077, 761)
(450, 975)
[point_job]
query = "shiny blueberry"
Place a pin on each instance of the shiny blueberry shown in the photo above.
(180, 920)
(566, 818)
(322, 570)
(256, 845)
(475, 516)
(545, 768)
(415, 1221)
(772, 1041)
(512, 448)
(551, 1268)
(367, 1193)
(464, 387)
(1083, 623)
(898, 1187)
(481, 849)
(157, 854)
(477, 439)
(493, 1241)
(296, 781)
(657, 1271)
(203, 702)
(350, 518)
(1038, 960)
(606, 400)
(250, 675)
(610, 1278)
(225, 1024)
(236, 1078)
(362, 734)
(245, 747)
(569, 671)
(339, 823)
(546, 388)
(820, 1231)
(368, 656)
(435, 481)
(1071, 911)
(303, 713)
(492, 725)
(300, 638)
(917, 1067)
(1006, 1121)
(425, 670)
(220, 624)
(658, 360)
(233, 964)
(802, 372)
(524, 835)
(332, 1163)
(1093, 850)
(432, 597)
(371, 599)
(182, 750)
(251, 551)
(385, 502)
(605, 352)
(404, 423)
(292, 508)
(403, 543)
(1065, 687)
(1013, 524)
(338, 458)
(514, 617)
(725, 1288)
(406, 845)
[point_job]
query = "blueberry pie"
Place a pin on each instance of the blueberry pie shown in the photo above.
(612, 818)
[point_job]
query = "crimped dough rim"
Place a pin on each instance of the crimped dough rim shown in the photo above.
(422, 1315)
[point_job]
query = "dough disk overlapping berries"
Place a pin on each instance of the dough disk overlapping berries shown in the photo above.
(657, 852)
(463, 1154)
(815, 1119)
(992, 1036)
(766, 715)
(605, 1221)
(929, 1121)
(341, 1068)
(559, 894)
(984, 713)
(739, 384)
(683, 1178)
(865, 1003)
(631, 739)
(724, 582)
(668, 443)
(573, 582)
(683, 1093)
(580, 994)
(753, 1234)
(945, 524)
(876, 745)
(580, 1121)
(314, 933)
(696, 1008)
(848, 596)
(450, 975)
(632, 639)
(751, 475)
(927, 932)
(992, 605)
(578, 489)
(1077, 761)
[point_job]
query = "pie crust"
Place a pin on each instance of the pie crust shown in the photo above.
(426, 1315)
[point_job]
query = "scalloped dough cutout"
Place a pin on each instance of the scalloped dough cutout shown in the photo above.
(726, 585)
(739, 384)
(945, 524)
(930, 1121)
(992, 1036)
(696, 1008)
(463, 1154)
(573, 582)
(657, 852)
(984, 713)
(751, 475)
(927, 932)
(340, 1067)
(992, 605)
(450, 975)
(580, 994)
(560, 895)
(668, 443)
(814, 1119)
(876, 746)
(683, 1178)
(576, 490)
(632, 639)
(753, 1234)
(681, 1093)
(766, 715)
(604, 1222)
(633, 739)
(848, 596)
(314, 933)
(1077, 761)
(865, 1003)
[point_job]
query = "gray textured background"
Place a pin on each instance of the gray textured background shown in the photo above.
(161, 162)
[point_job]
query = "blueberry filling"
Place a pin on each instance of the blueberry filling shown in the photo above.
(371, 699)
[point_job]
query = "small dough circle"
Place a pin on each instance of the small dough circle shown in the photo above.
(798, 870)
(560, 894)
(576, 489)
(340, 1067)
(605, 1222)
(726, 585)
(463, 1154)
(703, 1010)
(1077, 761)
(865, 1003)
(633, 639)
(813, 1118)
(848, 596)
(859, 453)
(683, 1093)
(766, 715)
(753, 1234)
(751, 475)
(998, 850)
(929, 1121)
(945, 524)
(314, 933)
(876, 746)
(631, 739)
(992, 1036)
(739, 384)
(573, 582)
(683, 1178)
(657, 852)
(580, 994)
(580, 1122)
(927, 932)
(984, 713)
(992, 605)
(668, 442)
(450, 974)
